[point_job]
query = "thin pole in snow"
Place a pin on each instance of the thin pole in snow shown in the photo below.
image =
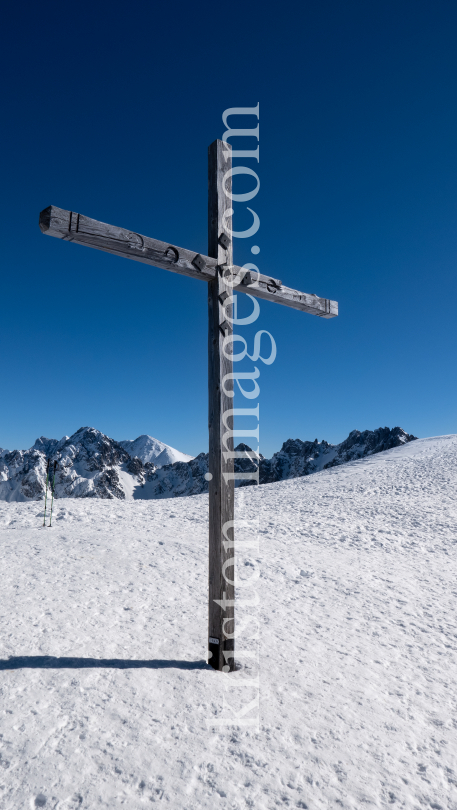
(46, 495)
(53, 488)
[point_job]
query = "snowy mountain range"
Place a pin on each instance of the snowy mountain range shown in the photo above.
(91, 465)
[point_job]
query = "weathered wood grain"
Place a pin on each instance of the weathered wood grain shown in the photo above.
(221, 491)
(82, 230)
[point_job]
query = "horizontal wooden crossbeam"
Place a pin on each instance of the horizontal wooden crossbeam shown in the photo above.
(77, 228)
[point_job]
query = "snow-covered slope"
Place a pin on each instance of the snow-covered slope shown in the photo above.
(146, 448)
(106, 700)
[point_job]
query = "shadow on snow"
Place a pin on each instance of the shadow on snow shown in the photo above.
(49, 662)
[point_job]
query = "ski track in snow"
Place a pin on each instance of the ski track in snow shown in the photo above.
(358, 663)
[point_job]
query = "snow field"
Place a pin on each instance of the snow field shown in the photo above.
(358, 665)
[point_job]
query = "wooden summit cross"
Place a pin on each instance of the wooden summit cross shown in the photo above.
(223, 279)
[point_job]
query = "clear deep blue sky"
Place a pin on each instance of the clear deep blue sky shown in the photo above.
(109, 109)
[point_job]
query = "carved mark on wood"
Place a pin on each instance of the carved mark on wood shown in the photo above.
(135, 241)
(172, 254)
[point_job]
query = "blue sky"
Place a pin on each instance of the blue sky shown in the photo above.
(109, 111)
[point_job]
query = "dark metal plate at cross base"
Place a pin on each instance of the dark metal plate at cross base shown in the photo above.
(221, 656)
(214, 652)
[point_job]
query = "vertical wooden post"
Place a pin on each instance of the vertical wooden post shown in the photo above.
(221, 490)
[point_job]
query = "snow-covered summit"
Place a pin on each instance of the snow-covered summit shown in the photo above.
(148, 449)
(351, 683)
